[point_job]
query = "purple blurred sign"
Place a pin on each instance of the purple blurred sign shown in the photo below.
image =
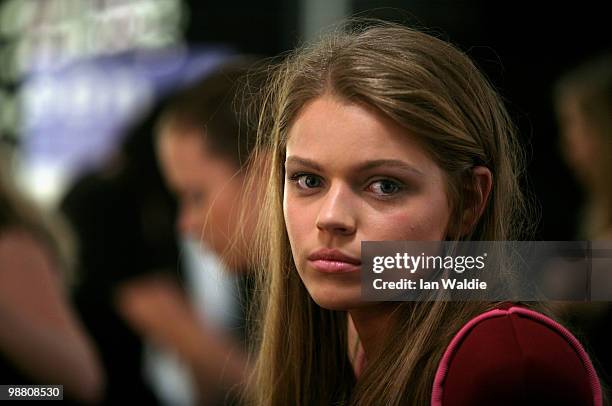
(73, 117)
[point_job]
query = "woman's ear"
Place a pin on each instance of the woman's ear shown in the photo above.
(478, 191)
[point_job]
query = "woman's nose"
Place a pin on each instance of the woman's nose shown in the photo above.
(336, 214)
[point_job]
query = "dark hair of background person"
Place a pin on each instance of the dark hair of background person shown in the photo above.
(216, 106)
(591, 83)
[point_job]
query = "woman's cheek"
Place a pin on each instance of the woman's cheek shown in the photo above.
(415, 224)
(296, 218)
(391, 226)
(293, 225)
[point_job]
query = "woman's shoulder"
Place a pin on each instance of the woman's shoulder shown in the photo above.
(18, 241)
(514, 355)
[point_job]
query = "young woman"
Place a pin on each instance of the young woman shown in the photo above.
(380, 132)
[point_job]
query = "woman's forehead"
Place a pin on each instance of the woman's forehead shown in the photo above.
(330, 131)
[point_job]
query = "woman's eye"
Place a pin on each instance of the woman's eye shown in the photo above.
(307, 181)
(385, 187)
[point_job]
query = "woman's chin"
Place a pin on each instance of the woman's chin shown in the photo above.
(338, 300)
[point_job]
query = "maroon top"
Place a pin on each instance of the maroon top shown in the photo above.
(515, 356)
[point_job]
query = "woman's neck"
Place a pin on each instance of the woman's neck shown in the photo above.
(598, 218)
(372, 323)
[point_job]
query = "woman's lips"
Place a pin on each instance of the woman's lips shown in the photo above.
(331, 260)
(330, 266)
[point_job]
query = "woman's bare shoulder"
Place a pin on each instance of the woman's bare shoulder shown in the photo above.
(19, 246)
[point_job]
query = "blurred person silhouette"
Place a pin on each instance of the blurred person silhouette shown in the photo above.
(131, 293)
(41, 339)
(583, 103)
(203, 143)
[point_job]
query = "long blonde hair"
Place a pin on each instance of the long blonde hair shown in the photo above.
(434, 91)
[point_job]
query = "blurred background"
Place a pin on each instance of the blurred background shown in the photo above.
(73, 72)
(78, 77)
(66, 85)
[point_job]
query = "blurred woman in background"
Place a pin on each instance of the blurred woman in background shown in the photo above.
(41, 340)
(203, 142)
(583, 100)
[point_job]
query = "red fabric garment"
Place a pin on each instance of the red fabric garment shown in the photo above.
(515, 356)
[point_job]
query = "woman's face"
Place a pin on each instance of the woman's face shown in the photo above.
(579, 140)
(353, 175)
(208, 191)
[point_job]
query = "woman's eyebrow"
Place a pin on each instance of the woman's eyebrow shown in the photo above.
(304, 162)
(362, 167)
(393, 163)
